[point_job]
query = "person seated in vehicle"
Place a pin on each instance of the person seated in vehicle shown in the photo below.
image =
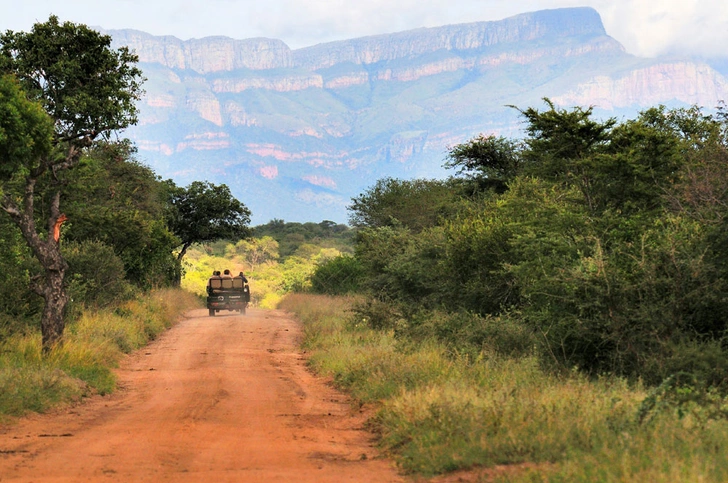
(214, 283)
(227, 280)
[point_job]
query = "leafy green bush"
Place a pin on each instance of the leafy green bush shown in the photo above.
(473, 334)
(95, 274)
(602, 243)
(338, 276)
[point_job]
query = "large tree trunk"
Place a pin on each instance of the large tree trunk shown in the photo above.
(52, 323)
(177, 282)
(48, 252)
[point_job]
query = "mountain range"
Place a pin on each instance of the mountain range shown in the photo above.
(297, 133)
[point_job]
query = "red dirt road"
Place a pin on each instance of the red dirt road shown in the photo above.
(216, 399)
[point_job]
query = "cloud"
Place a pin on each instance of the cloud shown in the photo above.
(648, 28)
(323, 181)
(319, 200)
(269, 172)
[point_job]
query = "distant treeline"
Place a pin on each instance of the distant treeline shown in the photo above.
(291, 235)
(595, 244)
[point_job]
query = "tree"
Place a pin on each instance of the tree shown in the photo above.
(114, 199)
(255, 251)
(88, 91)
(489, 161)
(25, 132)
(563, 146)
(415, 204)
(203, 212)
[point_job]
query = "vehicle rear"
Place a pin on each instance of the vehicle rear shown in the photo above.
(231, 294)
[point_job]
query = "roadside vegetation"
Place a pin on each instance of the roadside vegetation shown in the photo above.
(441, 410)
(83, 365)
(558, 303)
(91, 239)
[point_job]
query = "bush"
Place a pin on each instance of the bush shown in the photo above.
(472, 333)
(95, 274)
(378, 315)
(338, 276)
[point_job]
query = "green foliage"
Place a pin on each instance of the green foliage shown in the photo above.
(114, 199)
(296, 274)
(204, 212)
(96, 274)
(256, 251)
(87, 88)
(415, 204)
(557, 138)
(17, 302)
(337, 276)
(375, 249)
(606, 251)
(489, 161)
(474, 335)
(25, 129)
(290, 235)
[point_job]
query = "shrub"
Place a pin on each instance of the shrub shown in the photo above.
(471, 333)
(95, 274)
(338, 276)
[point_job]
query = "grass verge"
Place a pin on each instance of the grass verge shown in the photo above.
(441, 412)
(92, 348)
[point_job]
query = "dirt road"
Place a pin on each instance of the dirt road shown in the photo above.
(216, 399)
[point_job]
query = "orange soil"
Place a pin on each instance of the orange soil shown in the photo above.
(224, 398)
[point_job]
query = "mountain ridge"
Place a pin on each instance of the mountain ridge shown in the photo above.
(298, 132)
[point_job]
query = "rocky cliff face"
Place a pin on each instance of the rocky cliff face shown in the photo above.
(297, 134)
(223, 54)
(211, 54)
(530, 27)
(685, 82)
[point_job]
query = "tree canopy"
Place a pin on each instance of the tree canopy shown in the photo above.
(204, 212)
(25, 129)
(87, 88)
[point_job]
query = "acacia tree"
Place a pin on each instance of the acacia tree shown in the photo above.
(88, 91)
(204, 212)
(488, 161)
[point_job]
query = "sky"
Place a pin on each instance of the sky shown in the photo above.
(645, 27)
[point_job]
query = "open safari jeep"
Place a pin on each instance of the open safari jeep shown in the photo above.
(227, 293)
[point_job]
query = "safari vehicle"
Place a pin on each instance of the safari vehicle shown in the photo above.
(227, 293)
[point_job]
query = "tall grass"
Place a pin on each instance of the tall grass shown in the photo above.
(92, 348)
(440, 411)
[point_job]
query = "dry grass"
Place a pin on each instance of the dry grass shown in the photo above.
(92, 347)
(441, 413)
